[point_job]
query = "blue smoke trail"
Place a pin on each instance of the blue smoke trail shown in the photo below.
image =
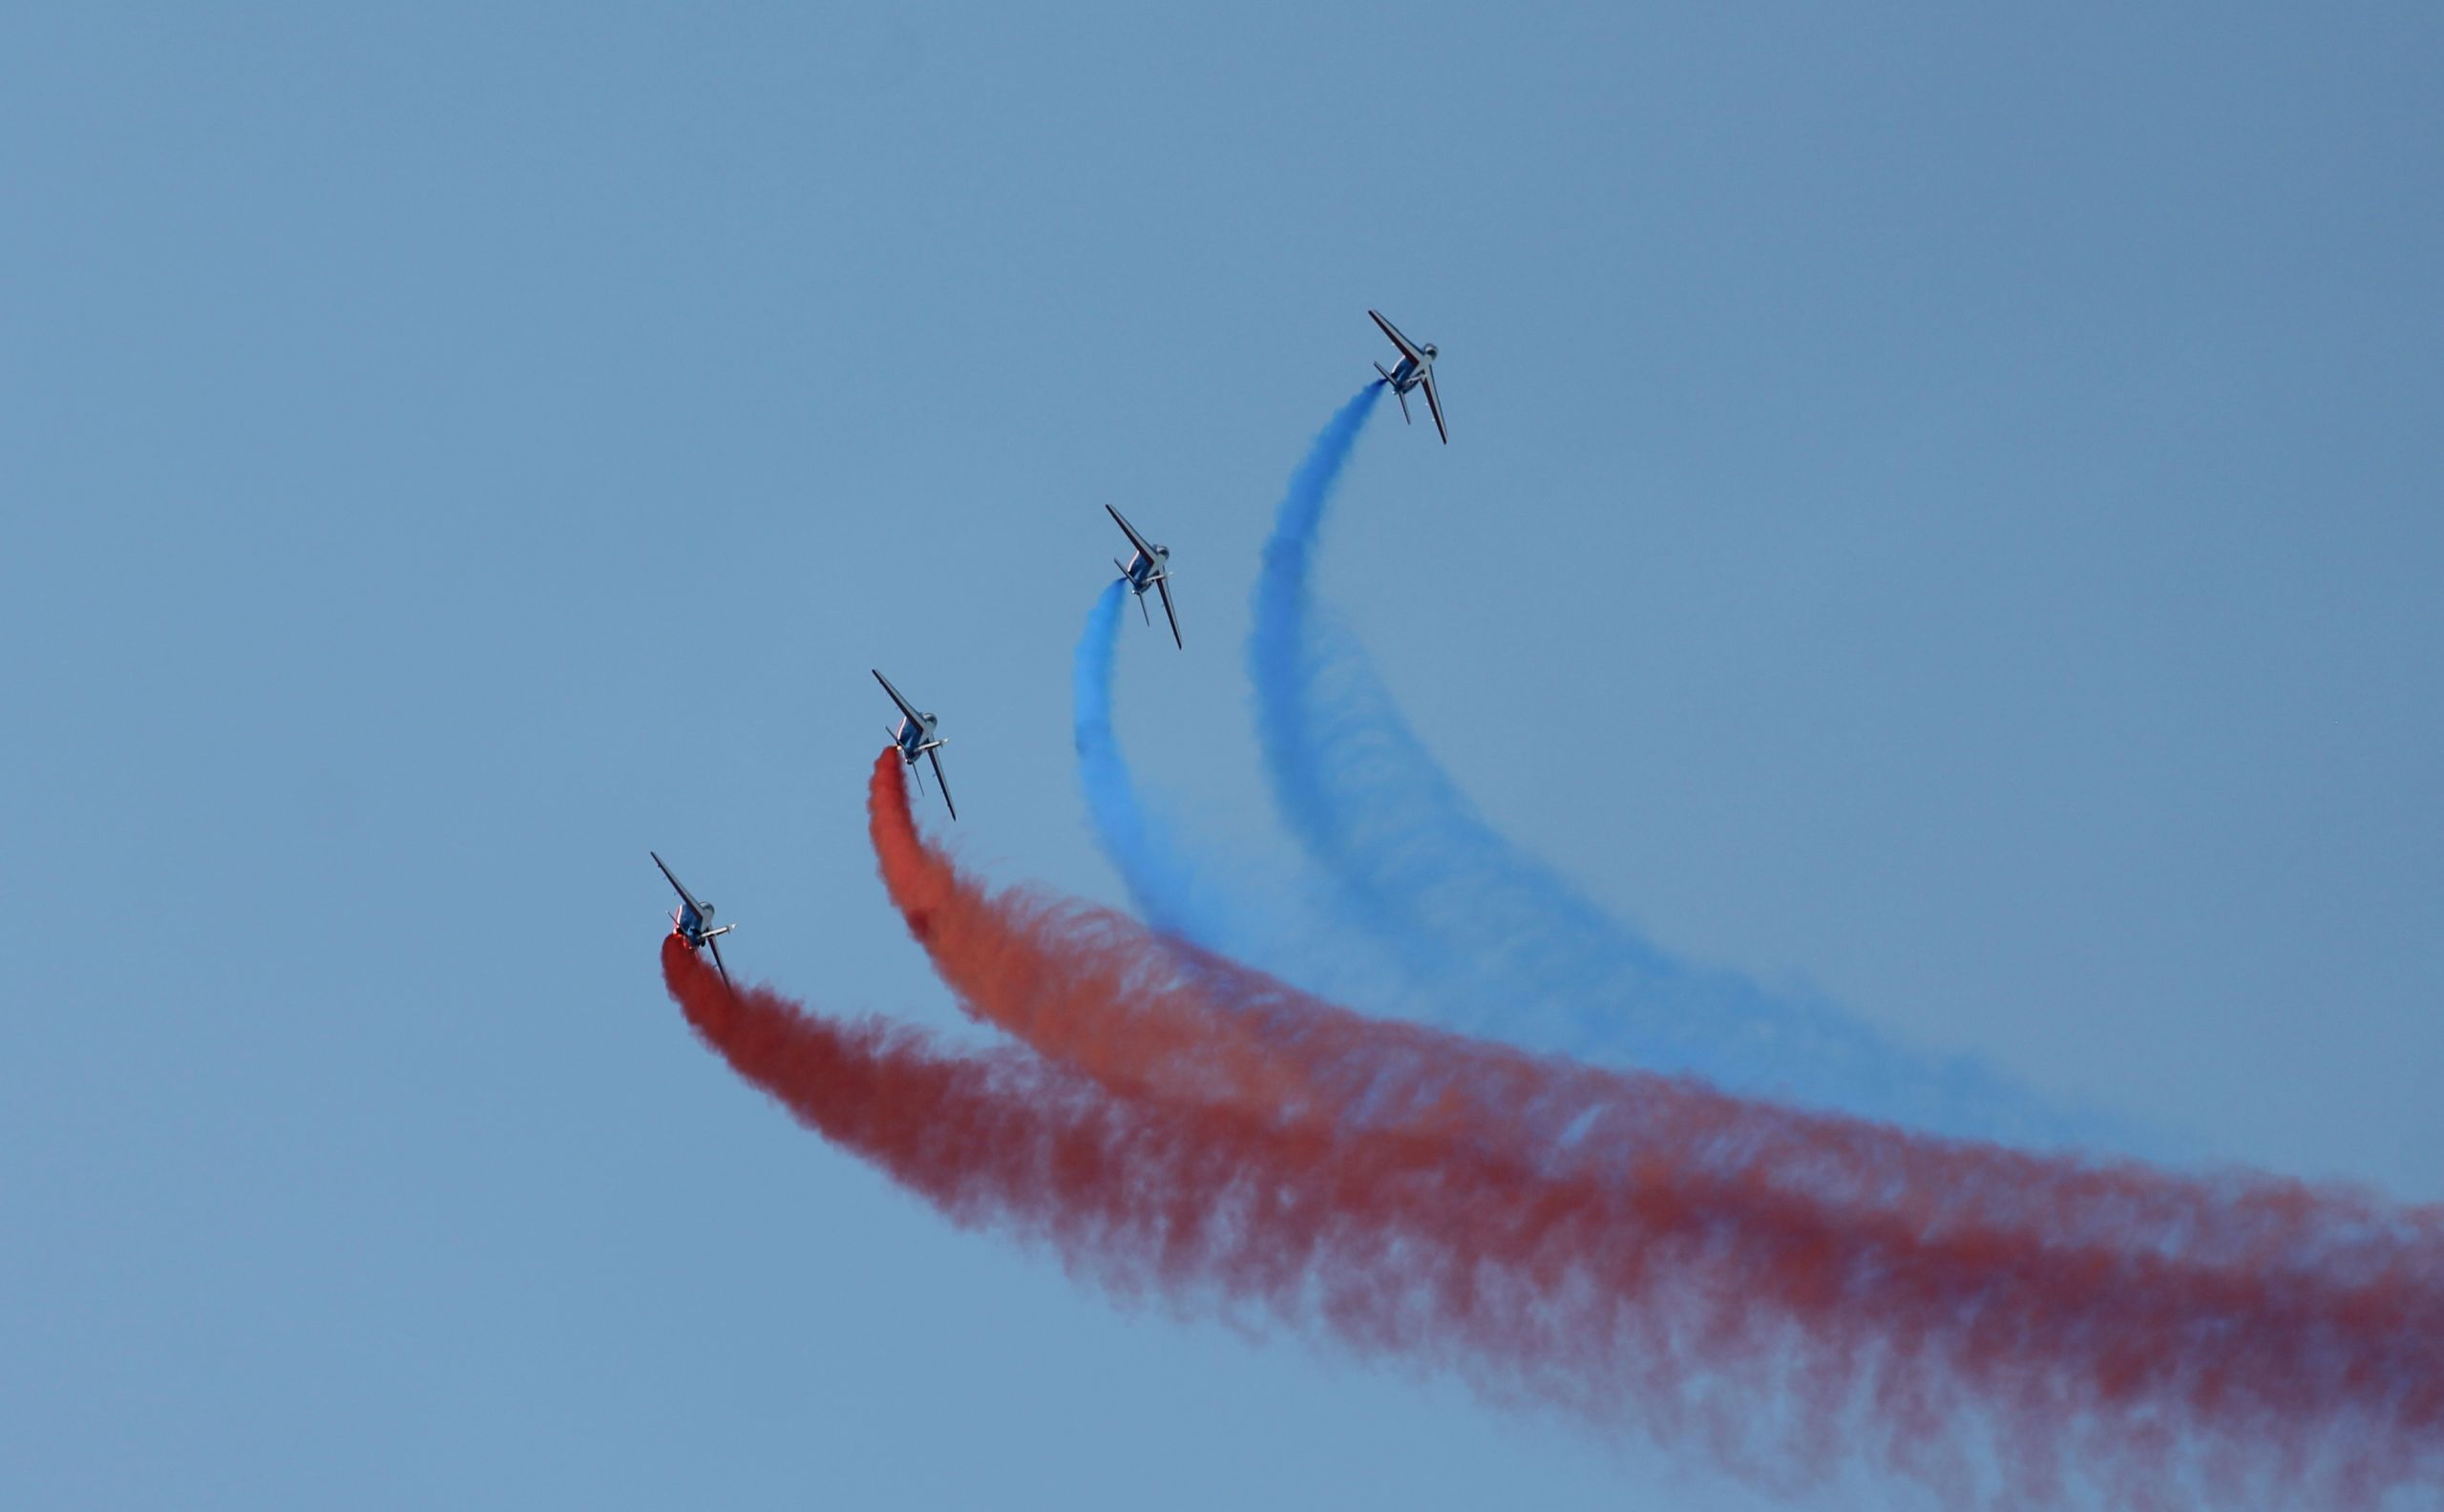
(1283, 925)
(1166, 890)
(1495, 944)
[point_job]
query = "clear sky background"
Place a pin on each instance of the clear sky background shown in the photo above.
(1971, 478)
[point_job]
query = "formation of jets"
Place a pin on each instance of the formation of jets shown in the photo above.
(1148, 566)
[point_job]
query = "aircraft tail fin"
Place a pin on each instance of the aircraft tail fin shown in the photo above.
(1404, 406)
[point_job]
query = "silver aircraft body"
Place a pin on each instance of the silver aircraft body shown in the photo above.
(1416, 370)
(1413, 370)
(1150, 568)
(914, 736)
(692, 921)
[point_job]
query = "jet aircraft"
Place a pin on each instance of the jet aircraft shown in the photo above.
(1150, 567)
(1416, 370)
(914, 737)
(691, 922)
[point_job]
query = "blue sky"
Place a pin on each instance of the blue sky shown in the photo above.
(1971, 477)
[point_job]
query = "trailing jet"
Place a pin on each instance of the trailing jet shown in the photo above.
(1150, 567)
(1416, 370)
(690, 922)
(914, 737)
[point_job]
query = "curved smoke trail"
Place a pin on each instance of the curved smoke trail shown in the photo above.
(1145, 1016)
(1202, 903)
(1693, 1293)
(1174, 895)
(1495, 942)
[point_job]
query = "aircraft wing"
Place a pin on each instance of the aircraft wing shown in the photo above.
(718, 964)
(1408, 347)
(685, 896)
(1163, 585)
(936, 757)
(904, 709)
(1434, 401)
(1134, 539)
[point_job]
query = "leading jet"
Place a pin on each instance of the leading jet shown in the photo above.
(914, 737)
(1150, 568)
(1416, 370)
(691, 922)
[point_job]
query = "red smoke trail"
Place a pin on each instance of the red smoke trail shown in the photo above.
(2101, 1305)
(1024, 959)
(1143, 1014)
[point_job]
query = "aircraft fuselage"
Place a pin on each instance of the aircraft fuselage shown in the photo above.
(1142, 571)
(914, 740)
(695, 928)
